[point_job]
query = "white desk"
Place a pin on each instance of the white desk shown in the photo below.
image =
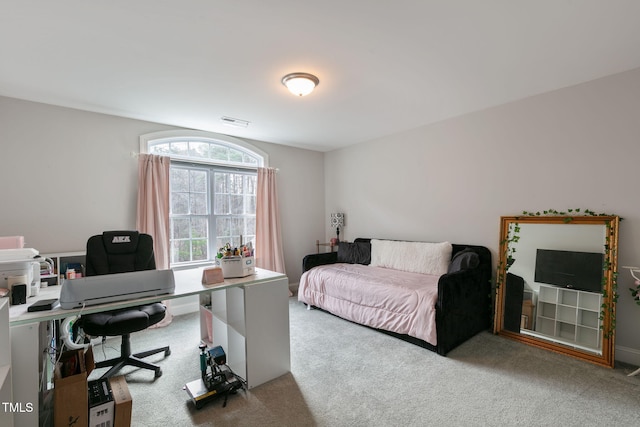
(250, 319)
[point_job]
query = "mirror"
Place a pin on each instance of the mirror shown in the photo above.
(555, 284)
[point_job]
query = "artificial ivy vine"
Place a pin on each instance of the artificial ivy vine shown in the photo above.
(568, 213)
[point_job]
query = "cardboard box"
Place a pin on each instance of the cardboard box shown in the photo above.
(70, 393)
(122, 400)
(236, 266)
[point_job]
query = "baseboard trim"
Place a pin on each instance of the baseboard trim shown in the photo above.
(185, 305)
(628, 355)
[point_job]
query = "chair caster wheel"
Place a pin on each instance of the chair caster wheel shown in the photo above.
(167, 352)
(158, 373)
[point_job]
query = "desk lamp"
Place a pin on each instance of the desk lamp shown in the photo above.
(337, 221)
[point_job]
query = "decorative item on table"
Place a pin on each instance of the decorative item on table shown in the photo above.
(212, 275)
(74, 270)
(336, 221)
(236, 261)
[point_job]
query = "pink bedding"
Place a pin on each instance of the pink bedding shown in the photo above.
(382, 298)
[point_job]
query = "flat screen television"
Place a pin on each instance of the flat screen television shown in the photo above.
(568, 269)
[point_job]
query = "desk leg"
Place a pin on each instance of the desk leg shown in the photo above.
(267, 331)
(251, 323)
(25, 366)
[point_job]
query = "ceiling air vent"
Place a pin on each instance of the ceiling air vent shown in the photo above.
(230, 121)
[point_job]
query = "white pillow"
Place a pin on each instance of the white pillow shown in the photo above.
(415, 257)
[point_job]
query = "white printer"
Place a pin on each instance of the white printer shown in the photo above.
(19, 266)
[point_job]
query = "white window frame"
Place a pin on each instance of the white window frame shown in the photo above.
(189, 135)
(184, 135)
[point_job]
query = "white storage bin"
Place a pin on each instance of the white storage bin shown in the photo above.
(236, 266)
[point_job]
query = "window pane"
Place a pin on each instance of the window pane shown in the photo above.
(180, 228)
(220, 152)
(237, 204)
(179, 203)
(180, 251)
(198, 181)
(221, 183)
(250, 205)
(162, 149)
(237, 226)
(236, 184)
(200, 250)
(251, 183)
(223, 229)
(235, 155)
(199, 227)
(249, 160)
(251, 226)
(179, 179)
(180, 148)
(199, 204)
(199, 149)
(221, 204)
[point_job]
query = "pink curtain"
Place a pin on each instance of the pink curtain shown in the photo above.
(269, 254)
(153, 209)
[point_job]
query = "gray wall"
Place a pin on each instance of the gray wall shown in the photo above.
(578, 147)
(67, 174)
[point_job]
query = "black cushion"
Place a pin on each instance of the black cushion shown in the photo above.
(123, 321)
(466, 258)
(354, 253)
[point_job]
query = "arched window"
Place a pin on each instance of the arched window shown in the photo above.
(213, 180)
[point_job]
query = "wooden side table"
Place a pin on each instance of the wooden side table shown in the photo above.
(329, 245)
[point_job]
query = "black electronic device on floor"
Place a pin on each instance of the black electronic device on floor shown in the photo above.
(217, 379)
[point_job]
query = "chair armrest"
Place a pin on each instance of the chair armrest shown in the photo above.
(314, 260)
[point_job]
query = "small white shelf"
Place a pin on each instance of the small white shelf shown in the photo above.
(60, 262)
(251, 323)
(570, 317)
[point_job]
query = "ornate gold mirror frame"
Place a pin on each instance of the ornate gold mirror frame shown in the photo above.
(566, 319)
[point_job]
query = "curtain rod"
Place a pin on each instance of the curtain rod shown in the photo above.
(135, 155)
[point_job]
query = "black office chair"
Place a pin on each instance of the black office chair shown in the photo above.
(122, 252)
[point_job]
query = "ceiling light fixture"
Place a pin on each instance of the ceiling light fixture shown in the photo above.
(300, 84)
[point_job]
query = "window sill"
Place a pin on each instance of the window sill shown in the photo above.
(192, 266)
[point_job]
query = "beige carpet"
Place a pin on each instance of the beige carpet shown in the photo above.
(343, 374)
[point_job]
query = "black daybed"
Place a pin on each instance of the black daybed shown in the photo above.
(348, 284)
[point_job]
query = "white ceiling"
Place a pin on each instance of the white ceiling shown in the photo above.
(384, 66)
